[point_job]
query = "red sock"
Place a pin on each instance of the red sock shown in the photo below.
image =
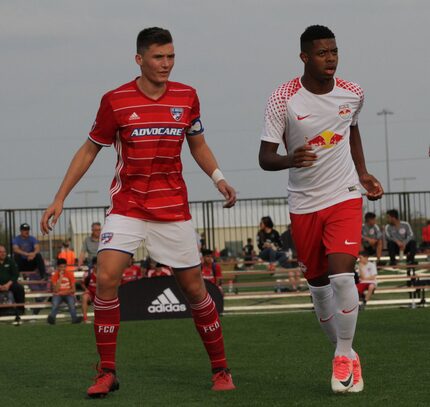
(106, 325)
(208, 325)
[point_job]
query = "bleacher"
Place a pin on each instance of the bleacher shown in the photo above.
(257, 289)
(260, 290)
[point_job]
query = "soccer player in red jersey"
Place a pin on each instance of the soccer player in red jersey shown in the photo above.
(147, 120)
(316, 118)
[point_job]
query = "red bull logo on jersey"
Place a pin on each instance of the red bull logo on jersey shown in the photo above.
(345, 112)
(177, 112)
(326, 139)
(157, 131)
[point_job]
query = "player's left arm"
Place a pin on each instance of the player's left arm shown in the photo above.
(373, 187)
(204, 157)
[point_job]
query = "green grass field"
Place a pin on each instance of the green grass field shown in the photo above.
(276, 360)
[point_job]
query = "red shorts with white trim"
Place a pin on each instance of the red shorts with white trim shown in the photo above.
(362, 287)
(336, 229)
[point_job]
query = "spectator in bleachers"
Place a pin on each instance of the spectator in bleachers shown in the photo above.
(425, 236)
(90, 245)
(132, 273)
(367, 274)
(400, 238)
(63, 287)
(26, 249)
(89, 284)
(248, 253)
(68, 254)
(269, 243)
(371, 237)
(210, 269)
(9, 279)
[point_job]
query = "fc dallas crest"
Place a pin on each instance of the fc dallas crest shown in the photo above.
(177, 113)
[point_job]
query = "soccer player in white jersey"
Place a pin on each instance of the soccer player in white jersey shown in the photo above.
(316, 118)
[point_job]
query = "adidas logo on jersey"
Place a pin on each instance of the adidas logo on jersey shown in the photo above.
(134, 116)
(166, 302)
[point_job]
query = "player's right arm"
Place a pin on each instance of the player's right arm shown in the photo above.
(79, 165)
(274, 130)
(270, 160)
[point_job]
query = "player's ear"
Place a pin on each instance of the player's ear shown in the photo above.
(304, 57)
(138, 59)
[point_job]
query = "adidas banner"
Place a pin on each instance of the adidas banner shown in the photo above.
(159, 298)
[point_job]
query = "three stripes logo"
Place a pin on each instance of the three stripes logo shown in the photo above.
(166, 302)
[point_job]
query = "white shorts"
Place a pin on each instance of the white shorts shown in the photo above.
(169, 243)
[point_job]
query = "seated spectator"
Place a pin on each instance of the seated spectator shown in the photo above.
(400, 238)
(90, 245)
(132, 273)
(9, 280)
(269, 243)
(68, 254)
(248, 253)
(371, 237)
(425, 236)
(89, 285)
(210, 269)
(63, 287)
(26, 249)
(367, 277)
(155, 269)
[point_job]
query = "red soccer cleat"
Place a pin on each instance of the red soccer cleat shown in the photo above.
(222, 381)
(104, 382)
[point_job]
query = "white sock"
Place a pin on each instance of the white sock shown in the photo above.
(325, 310)
(346, 298)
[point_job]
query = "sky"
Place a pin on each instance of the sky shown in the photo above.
(59, 57)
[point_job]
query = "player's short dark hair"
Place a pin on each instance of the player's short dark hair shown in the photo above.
(369, 215)
(364, 253)
(267, 221)
(61, 261)
(314, 32)
(393, 213)
(152, 35)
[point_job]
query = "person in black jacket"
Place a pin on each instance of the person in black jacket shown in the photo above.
(269, 243)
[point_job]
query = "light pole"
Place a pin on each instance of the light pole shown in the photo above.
(385, 113)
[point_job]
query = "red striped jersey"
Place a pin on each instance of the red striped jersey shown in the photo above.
(131, 273)
(148, 136)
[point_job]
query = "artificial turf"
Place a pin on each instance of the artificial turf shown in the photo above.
(276, 360)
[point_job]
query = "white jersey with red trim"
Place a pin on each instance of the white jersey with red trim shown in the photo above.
(294, 116)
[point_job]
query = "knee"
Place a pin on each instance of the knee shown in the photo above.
(194, 292)
(107, 279)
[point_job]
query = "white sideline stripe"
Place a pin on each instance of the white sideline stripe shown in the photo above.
(308, 306)
(31, 317)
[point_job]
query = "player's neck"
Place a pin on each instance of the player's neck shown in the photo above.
(153, 90)
(317, 86)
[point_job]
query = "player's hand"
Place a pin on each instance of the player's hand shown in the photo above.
(373, 187)
(50, 216)
(302, 157)
(228, 192)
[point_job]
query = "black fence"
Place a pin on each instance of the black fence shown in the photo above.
(219, 228)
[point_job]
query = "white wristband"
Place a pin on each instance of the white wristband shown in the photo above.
(217, 176)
